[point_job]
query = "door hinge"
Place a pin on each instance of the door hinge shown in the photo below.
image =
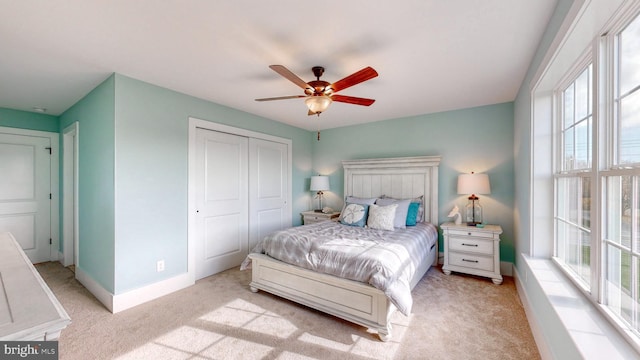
(48, 148)
(50, 241)
(50, 196)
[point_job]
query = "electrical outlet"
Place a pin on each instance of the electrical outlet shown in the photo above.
(160, 266)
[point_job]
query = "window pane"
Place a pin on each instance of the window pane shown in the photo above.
(636, 214)
(585, 257)
(573, 201)
(569, 159)
(629, 41)
(561, 198)
(573, 209)
(582, 95)
(561, 235)
(586, 203)
(615, 209)
(568, 107)
(630, 128)
(583, 145)
(618, 282)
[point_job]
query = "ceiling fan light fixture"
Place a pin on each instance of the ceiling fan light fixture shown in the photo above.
(318, 103)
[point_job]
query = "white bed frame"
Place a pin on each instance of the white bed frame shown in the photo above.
(360, 303)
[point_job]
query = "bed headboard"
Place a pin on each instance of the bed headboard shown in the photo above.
(401, 178)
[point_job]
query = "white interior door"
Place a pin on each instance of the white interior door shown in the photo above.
(269, 188)
(25, 190)
(221, 201)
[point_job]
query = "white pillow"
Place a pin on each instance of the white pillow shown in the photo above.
(381, 217)
(400, 220)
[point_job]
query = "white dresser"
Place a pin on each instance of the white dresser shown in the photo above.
(472, 250)
(29, 311)
(310, 217)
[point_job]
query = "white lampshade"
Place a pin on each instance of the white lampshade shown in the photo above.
(318, 103)
(473, 184)
(319, 183)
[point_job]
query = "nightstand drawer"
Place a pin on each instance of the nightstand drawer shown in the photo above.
(312, 217)
(469, 244)
(471, 261)
(472, 232)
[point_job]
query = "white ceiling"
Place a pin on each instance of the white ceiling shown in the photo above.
(432, 55)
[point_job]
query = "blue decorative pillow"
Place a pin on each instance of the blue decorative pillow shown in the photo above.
(412, 214)
(355, 215)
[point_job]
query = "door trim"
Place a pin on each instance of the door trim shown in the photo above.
(54, 179)
(194, 124)
(70, 169)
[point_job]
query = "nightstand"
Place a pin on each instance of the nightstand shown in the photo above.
(310, 217)
(472, 250)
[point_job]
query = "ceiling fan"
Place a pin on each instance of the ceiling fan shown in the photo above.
(319, 93)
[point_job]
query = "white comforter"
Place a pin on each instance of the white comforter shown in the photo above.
(387, 260)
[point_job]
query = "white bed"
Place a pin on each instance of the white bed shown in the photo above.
(360, 303)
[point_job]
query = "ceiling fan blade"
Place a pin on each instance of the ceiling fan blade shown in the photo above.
(290, 76)
(281, 98)
(354, 79)
(352, 100)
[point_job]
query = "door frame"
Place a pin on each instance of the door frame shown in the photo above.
(70, 226)
(194, 124)
(54, 178)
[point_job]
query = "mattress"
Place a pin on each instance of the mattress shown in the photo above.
(386, 260)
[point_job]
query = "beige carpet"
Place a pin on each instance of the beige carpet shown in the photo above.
(454, 317)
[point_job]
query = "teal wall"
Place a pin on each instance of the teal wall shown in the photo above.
(477, 139)
(28, 120)
(555, 334)
(96, 181)
(151, 166)
(522, 132)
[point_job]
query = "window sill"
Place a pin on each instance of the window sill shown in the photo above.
(564, 323)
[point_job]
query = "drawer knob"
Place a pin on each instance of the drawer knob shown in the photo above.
(469, 234)
(471, 261)
(476, 245)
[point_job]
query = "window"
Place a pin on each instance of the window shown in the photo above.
(621, 183)
(598, 162)
(573, 179)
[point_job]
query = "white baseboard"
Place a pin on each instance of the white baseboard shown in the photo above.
(150, 292)
(104, 296)
(536, 330)
(506, 268)
(120, 302)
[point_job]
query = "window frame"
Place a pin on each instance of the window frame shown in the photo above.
(586, 60)
(603, 54)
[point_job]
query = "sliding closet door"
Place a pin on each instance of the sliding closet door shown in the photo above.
(221, 201)
(269, 188)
